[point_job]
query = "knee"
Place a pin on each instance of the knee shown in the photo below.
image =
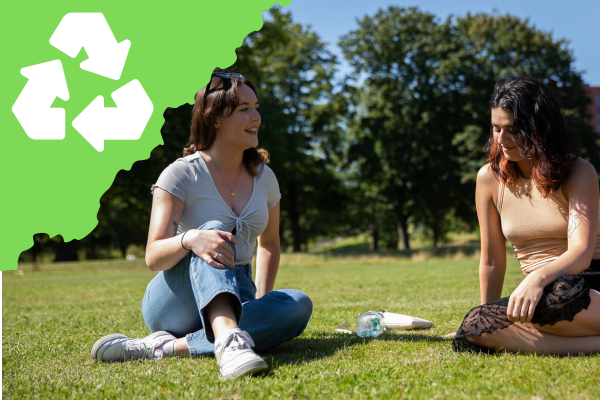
(213, 226)
(485, 341)
(301, 306)
(305, 306)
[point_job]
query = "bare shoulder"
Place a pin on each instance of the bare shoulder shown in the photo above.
(582, 167)
(582, 177)
(582, 173)
(486, 176)
(487, 183)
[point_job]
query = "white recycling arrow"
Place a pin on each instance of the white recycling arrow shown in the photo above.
(91, 31)
(32, 108)
(125, 122)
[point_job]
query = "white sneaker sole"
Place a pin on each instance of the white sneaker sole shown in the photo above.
(251, 367)
(100, 343)
(108, 338)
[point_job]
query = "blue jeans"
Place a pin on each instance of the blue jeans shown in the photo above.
(175, 301)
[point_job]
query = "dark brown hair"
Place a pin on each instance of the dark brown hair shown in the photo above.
(222, 96)
(539, 130)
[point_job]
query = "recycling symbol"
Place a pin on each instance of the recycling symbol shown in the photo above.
(46, 81)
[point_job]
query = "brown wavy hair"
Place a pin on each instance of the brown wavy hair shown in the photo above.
(540, 131)
(221, 101)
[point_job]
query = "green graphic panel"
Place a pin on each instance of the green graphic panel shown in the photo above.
(54, 186)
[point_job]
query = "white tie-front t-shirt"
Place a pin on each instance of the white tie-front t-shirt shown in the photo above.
(189, 179)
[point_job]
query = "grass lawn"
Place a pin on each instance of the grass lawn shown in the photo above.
(52, 317)
(419, 242)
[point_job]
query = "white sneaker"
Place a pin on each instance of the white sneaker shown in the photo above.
(117, 347)
(234, 355)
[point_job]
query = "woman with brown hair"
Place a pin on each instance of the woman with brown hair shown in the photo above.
(539, 195)
(210, 210)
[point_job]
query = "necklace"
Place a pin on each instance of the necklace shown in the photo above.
(232, 194)
(528, 189)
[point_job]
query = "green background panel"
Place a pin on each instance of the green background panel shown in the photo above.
(54, 186)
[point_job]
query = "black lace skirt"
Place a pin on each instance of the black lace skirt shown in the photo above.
(560, 301)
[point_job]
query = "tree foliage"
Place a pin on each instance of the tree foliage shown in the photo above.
(397, 144)
(294, 74)
(421, 93)
(406, 113)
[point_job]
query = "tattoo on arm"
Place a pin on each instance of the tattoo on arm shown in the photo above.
(574, 221)
(175, 225)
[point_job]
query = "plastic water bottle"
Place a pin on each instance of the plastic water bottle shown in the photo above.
(370, 324)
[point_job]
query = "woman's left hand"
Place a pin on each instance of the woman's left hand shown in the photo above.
(524, 299)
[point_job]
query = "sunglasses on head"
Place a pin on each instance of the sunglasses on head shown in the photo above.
(227, 75)
(222, 75)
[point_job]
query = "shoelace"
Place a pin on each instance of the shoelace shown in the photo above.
(137, 349)
(239, 341)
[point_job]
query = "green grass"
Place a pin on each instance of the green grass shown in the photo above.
(418, 241)
(456, 242)
(53, 316)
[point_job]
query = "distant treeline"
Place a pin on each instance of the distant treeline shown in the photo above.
(396, 143)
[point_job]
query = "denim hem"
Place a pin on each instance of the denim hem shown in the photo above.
(218, 292)
(208, 331)
(289, 312)
(188, 341)
(176, 298)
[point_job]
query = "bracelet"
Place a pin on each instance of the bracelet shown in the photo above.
(182, 240)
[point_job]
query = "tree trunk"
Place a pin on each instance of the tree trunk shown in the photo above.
(93, 254)
(283, 243)
(402, 215)
(90, 248)
(67, 251)
(403, 237)
(436, 233)
(294, 217)
(123, 248)
(374, 231)
(36, 250)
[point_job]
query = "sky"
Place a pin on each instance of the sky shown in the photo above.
(576, 20)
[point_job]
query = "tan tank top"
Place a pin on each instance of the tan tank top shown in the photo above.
(536, 227)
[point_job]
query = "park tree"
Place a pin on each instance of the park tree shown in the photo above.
(494, 47)
(421, 101)
(405, 112)
(399, 143)
(294, 73)
(371, 209)
(124, 214)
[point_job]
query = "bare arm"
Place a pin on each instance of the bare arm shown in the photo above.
(164, 248)
(581, 188)
(492, 265)
(267, 258)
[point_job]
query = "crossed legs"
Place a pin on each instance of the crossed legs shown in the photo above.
(196, 303)
(221, 317)
(580, 336)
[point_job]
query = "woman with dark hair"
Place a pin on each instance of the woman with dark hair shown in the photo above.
(210, 210)
(539, 195)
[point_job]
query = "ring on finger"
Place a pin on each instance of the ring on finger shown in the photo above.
(215, 256)
(517, 309)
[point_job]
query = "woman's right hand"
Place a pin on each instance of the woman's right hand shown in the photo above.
(211, 247)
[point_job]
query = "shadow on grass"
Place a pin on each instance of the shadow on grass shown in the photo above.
(311, 349)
